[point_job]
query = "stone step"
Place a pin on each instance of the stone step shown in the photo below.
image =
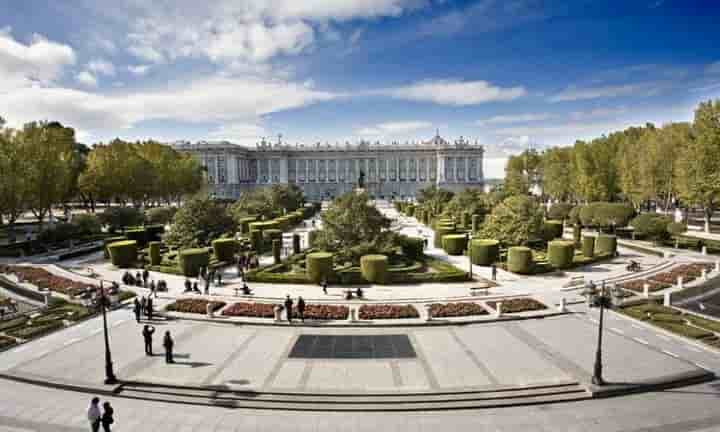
(358, 402)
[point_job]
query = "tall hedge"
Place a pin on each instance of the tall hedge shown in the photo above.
(484, 252)
(225, 249)
(552, 229)
(296, 243)
(276, 248)
(412, 247)
(319, 266)
(606, 244)
(560, 253)
(454, 244)
(588, 246)
(123, 254)
(155, 258)
(107, 241)
(374, 268)
(519, 260)
(192, 259)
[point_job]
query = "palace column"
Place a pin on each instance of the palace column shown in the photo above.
(283, 170)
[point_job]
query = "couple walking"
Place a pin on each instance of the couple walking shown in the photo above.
(97, 418)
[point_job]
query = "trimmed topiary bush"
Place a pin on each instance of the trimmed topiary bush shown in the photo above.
(319, 266)
(256, 241)
(440, 231)
(465, 219)
(265, 225)
(154, 232)
(577, 233)
(276, 246)
(191, 260)
(454, 244)
(107, 241)
(270, 235)
(123, 254)
(484, 251)
(244, 224)
(559, 211)
(374, 268)
(651, 225)
(552, 230)
(296, 243)
(560, 253)
(155, 258)
(225, 249)
(588, 246)
(676, 228)
(519, 260)
(606, 244)
(475, 223)
(412, 247)
(137, 234)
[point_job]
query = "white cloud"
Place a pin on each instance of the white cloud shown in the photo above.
(459, 93)
(87, 79)
(138, 70)
(573, 93)
(103, 67)
(515, 118)
(258, 42)
(105, 44)
(597, 113)
(384, 130)
(39, 62)
(147, 53)
(240, 133)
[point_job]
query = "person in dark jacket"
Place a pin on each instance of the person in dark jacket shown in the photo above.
(137, 308)
(145, 277)
(149, 308)
(147, 333)
(107, 416)
(143, 305)
(168, 343)
(288, 308)
(301, 308)
(188, 285)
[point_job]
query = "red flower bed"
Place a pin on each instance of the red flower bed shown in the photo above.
(196, 306)
(518, 305)
(441, 310)
(388, 312)
(254, 310)
(44, 279)
(689, 272)
(638, 284)
(323, 312)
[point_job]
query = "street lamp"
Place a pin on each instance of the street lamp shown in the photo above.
(104, 304)
(603, 301)
(468, 237)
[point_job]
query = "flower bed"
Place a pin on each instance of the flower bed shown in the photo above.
(442, 310)
(253, 310)
(689, 272)
(44, 279)
(36, 329)
(196, 306)
(517, 305)
(638, 285)
(388, 312)
(323, 312)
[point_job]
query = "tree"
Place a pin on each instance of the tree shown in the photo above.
(471, 200)
(557, 169)
(522, 172)
(514, 221)
(652, 225)
(267, 202)
(698, 165)
(434, 198)
(198, 222)
(13, 183)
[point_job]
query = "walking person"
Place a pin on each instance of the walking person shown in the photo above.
(147, 333)
(145, 277)
(93, 414)
(168, 343)
(107, 416)
(143, 305)
(137, 308)
(188, 286)
(301, 308)
(153, 289)
(288, 308)
(207, 285)
(324, 286)
(149, 308)
(494, 271)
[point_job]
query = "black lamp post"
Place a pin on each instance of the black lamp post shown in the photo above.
(603, 301)
(467, 242)
(104, 304)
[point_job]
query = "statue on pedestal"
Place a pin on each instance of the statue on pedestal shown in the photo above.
(361, 180)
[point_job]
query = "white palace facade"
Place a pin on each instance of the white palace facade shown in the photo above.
(324, 171)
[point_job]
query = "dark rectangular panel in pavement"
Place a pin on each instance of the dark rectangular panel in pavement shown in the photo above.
(310, 346)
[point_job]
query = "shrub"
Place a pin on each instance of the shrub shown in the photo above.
(154, 232)
(137, 234)
(588, 246)
(264, 225)
(87, 224)
(606, 215)
(455, 244)
(577, 233)
(519, 259)
(475, 223)
(123, 254)
(195, 306)
(440, 232)
(313, 237)
(59, 232)
(412, 247)
(271, 234)
(296, 243)
(109, 240)
(559, 211)
(465, 219)
(319, 266)
(276, 249)
(484, 251)
(560, 253)
(117, 218)
(256, 241)
(552, 229)
(676, 228)
(155, 258)
(652, 226)
(225, 249)
(191, 260)
(160, 215)
(606, 244)
(374, 268)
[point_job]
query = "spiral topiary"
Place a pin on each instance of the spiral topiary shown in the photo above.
(454, 244)
(560, 253)
(519, 259)
(484, 252)
(588, 246)
(192, 259)
(319, 266)
(155, 257)
(225, 249)
(123, 254)
(374, 268)
(606, 244)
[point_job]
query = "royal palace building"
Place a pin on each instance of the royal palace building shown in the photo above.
(324, 171)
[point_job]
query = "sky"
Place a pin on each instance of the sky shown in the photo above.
(509, 74)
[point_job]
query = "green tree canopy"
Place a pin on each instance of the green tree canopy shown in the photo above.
(514, 221)
(198, 222)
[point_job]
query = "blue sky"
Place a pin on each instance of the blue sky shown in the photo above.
(509, 74)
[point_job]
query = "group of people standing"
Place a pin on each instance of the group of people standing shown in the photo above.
(145, 307)
(143, 280)
(289, 308)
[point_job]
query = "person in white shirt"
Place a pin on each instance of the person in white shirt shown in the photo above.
(94, 415)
